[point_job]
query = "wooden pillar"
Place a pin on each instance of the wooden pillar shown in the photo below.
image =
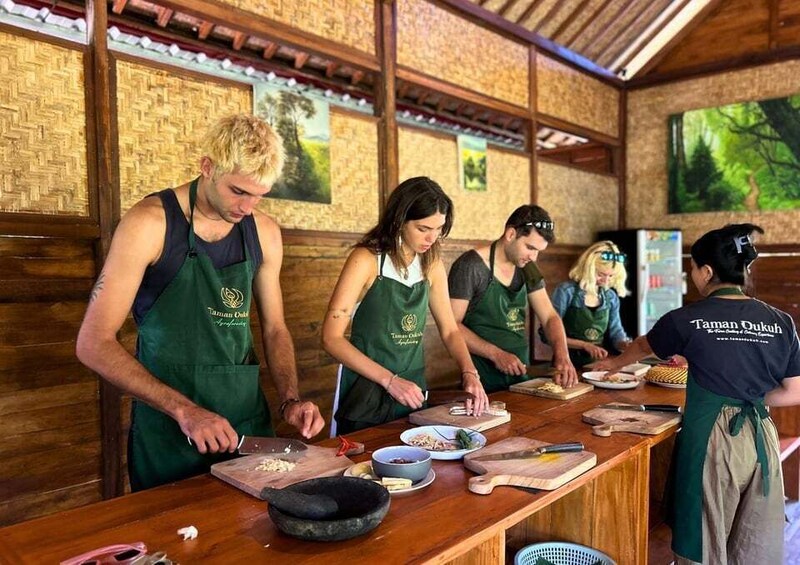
(106, 198)
(386, 99)
(533, 128)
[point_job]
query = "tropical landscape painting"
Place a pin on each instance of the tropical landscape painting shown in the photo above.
(472, 161)
(304, 125)
(738, 157)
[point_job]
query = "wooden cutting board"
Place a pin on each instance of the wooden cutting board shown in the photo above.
(312, 463)
(548, 471)
(440, 415)
(531, 387)
(604, 421)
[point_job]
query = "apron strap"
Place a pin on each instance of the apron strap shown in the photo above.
(755, 412)
(192, 200)
(491, 261)
(380, 268)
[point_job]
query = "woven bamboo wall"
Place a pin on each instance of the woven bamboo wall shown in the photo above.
(575, 97)
(42, 128)
(354, 182)
(161, 118)
(478, 215)
(350, 22)
(445, 46)
(647, 146)
(580, 203)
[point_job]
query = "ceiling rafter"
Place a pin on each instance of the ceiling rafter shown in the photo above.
(330, 69)
(119, 6)
(589, 21)
(269, 50)
(569, 19)
(643, 8)
(357, 77)
(506, 7)
(164, 16)
(527, 13)
(238, 40)
(604, 29)
(204, 29)
(402, 89)
(551, 13)
(301, 59)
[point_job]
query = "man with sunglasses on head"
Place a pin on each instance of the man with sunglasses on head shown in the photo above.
(589, 303)
(489, 294)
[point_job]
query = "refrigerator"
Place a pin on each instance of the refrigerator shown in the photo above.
(655, 275)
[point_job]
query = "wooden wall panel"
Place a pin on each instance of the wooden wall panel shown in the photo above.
(445, 46)
(478, 215)
(573, 96)
(350, 22)
(42, 128)
(580, 203)
(49, 407)
(646, 164)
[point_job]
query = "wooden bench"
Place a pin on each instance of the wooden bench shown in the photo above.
(790, 461)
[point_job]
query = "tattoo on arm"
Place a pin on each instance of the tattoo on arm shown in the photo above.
(98, 286)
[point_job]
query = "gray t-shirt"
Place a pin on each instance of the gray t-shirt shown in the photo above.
(469, 278)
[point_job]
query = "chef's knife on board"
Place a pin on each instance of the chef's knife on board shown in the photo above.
(267, 445)
(644, 407)
(531, 453)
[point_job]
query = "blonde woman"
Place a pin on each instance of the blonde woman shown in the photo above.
(588, 303)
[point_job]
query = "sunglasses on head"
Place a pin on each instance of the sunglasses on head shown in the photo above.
(613, 256)
(541, 224)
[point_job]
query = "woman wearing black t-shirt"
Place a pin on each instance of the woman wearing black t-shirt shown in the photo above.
(727, 495)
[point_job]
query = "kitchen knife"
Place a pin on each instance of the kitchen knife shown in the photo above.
(645, 407)
(531, 453)
(267, 445)
(438, 397)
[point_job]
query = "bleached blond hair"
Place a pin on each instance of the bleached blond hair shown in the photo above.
(244, 144)
(584, 271)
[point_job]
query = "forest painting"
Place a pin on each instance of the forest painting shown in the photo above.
(304, 125)
(738, 157)
(472, 161)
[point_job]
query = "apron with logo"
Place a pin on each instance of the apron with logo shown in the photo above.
(499, 318)
(196, 338)
(388, 328)
(582, 323)
(691, 445)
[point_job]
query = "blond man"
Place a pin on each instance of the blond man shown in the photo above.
(187, 262)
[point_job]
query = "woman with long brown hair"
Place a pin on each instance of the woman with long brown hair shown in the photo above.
(386, 286)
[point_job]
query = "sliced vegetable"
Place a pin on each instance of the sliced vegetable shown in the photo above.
(344, 446)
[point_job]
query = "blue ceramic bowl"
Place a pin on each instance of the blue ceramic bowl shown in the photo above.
(402, 461)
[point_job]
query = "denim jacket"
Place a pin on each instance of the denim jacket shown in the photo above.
(566, 292)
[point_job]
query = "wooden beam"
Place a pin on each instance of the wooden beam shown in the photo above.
(575, 129)
(568, 20)
(385, 99)
(300, 60)
(204, 29)
(272, 30)
(644, 39)
(461, 108)
(602, 57)
(530, 126)
(423, 95)
(497, 24)
(441, 104)
(684, 30)
(586, 23)
(403, 89)
(164, 16)
(270, 50)
(528, 12)
(104, 159)
(603, 30)
(506, 7)
(238, 40)
(551, 13)
(774, 23)
(118, 6)
(455, 91)
(330, 69)
(357, 77)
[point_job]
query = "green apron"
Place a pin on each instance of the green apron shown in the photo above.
(388, 327)
(196, 339)
(499, 318)
(686, 482)
(588, 325)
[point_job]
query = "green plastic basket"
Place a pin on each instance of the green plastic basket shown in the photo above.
(561, 553)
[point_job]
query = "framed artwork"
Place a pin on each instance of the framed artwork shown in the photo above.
(742, 156)
(304, 125)
(472, 163)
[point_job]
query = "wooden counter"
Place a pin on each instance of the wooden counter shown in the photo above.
(606, 507)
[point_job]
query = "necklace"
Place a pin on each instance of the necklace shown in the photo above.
(197, 207)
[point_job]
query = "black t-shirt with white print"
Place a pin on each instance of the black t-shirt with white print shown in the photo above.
(736, 348)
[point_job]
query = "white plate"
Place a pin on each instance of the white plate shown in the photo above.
(596, 378)
(366, 467)
(444, 433)
(668, 385)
